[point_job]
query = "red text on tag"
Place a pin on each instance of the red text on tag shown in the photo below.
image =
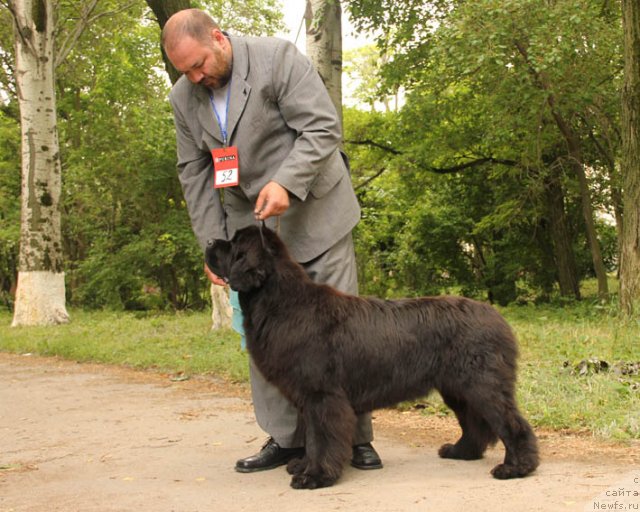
(225, 167)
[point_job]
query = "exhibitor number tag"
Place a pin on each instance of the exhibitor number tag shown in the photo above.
(225, 167)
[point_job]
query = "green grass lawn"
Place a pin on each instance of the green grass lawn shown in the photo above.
(558, 386)
(552, 389)
(173, 343)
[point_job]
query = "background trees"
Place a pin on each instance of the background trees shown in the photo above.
(511, 120)
(499, 172)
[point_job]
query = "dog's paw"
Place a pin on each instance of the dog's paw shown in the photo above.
(297, 466)
(303, 481)
(306, 481)
(447, 451)
(455, 451)
(507, 471)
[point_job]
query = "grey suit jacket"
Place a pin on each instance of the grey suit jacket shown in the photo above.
(286, 129)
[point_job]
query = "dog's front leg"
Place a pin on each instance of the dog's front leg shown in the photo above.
(299, 465)
(330, 424)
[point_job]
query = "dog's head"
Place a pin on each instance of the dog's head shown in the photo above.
(247, 260)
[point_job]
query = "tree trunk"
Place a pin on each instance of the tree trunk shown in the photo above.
(221, 307)
(630, 253)
(164, 9)
(40, 296)
(564, 257)
(577, 164)
(323, 19)
(575, 156)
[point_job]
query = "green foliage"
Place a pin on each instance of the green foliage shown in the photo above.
(126, 226)
(477, 142)
(360, 66)
(245, 17)
(156, 268)
(9, 205)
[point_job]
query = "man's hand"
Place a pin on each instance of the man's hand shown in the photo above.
(272, 200)
(212, 277)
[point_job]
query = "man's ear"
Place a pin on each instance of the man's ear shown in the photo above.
(216, 257)
(218, 36)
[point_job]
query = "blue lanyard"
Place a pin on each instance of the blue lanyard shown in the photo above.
(223, 129)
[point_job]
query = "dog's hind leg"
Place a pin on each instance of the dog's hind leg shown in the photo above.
(521, 457)
(497, 406)
(476, 432)
(329, 427)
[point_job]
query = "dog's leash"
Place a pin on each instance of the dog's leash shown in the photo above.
(263, 226)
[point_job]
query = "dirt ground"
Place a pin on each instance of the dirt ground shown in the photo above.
(78, 437)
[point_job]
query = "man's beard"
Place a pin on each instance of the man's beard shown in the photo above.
(217, 82)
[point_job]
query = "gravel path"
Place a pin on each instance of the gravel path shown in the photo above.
(77, 437)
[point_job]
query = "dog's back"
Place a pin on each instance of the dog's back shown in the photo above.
(400, 350)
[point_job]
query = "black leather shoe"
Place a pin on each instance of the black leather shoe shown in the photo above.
(365, 457)
(271, 456)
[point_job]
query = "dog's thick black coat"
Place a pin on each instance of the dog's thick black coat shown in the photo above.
(335, 356)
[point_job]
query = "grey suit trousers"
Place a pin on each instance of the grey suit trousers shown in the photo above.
(274, 413)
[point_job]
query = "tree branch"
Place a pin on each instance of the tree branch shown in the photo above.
(448, 170)
(71, 40)
(370, 179)
(85, 20)
(23, 37)
(368, 142)
(472, 163)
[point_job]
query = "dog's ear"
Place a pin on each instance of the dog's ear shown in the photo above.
(250, 262)
(248, 280)
(217, 258)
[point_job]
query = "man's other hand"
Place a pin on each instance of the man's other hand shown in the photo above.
(213, 278)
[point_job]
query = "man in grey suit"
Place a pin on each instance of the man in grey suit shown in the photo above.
(258, 138)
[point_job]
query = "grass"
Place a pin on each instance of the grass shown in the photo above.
(553, 342)
(172, 343)
(553, 391)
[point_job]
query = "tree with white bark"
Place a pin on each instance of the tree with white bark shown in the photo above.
(40, 294)
(323, 21)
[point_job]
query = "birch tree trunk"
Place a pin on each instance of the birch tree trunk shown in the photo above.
(40, 296)
(323, 20)
(221, 310)
(630, 247)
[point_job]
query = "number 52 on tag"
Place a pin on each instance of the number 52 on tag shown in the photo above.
(225, 167)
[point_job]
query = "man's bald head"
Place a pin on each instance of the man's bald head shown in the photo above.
(192, 23)
(196, 46)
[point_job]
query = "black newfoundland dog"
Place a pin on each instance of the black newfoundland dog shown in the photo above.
(335, 356)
